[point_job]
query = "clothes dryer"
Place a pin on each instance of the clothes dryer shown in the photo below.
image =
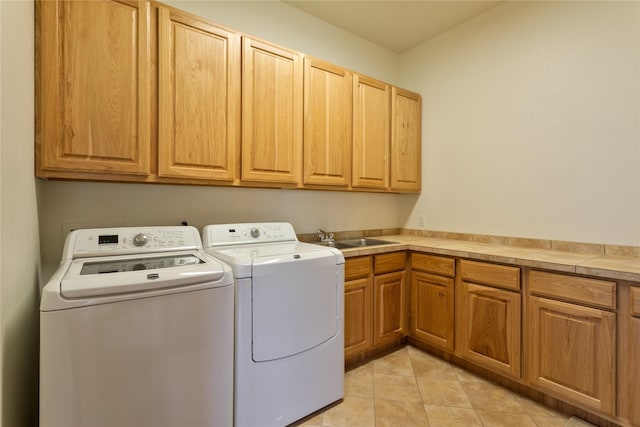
(289, 359)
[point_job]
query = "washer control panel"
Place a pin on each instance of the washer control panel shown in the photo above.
(127, 240)
(247, 233)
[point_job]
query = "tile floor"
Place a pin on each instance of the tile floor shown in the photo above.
(410, 388)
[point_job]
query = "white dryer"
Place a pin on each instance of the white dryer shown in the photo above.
(136, 329)
(289, 321)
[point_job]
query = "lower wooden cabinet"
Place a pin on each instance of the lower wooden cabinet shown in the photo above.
(432, 291)
(488, 318)
(633, 357)
(389, 304)
(572, 338)
(358, 304)
(571, 351)
(375, 301)
(389, 300)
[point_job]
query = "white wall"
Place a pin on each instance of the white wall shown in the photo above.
(84, 205)
(19, 288)
(531, 115)
(105, 204)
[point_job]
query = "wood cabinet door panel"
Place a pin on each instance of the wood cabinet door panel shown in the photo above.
(271, 113)
(389, 307)
(635, 301)
(370, 133)
(93, 86)
(358, 305)
(406, 133)
(633, 359)
(572, 353)
(327, 124)
(432, 309)
(489, 327)
(199, 108)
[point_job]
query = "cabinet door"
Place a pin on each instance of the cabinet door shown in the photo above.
(93, 107)
(571, 353)
(271, 113)
(633, 357)
(370, 133)
(389, 307)
(327, 124)
(358, 304)
(406, 116)
(488, 325)
(432, 309)
(199, 84)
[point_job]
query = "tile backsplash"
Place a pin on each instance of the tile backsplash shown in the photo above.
(558, 245)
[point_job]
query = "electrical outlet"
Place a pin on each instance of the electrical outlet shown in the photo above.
(69, 227)
(421, 220)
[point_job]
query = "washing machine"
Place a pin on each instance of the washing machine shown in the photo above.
(289, 321)
(136, 329)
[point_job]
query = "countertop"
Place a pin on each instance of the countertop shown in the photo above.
(606, 266)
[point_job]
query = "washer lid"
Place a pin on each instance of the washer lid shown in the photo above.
(100, 276)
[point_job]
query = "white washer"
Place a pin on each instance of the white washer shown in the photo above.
(136, 329)
(289, 321)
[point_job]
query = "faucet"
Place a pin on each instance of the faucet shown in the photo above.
(324, 236)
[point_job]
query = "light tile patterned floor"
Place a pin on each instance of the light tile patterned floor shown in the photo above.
(412, 388)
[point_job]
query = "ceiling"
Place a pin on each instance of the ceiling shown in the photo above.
(396, 25)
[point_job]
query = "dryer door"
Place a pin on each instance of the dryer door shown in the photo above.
(294, 303)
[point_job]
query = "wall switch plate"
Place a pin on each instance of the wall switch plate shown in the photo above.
(421, 220)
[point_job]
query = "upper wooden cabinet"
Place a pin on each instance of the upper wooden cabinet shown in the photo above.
(370, 133)
(327, 124)
(271, 113)
(406, 132)
(141, 91)
(199, 95)
(92, 87)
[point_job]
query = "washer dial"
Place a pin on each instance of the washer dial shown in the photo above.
(140, 239)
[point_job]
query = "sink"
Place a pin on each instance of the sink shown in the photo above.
(354, 243)
(334, 244)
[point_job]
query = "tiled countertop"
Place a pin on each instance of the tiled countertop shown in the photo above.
(607, 266)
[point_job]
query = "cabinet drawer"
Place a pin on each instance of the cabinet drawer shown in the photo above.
(596, 292)
(433, 264)
(356, 268)
(634, 294)
(386, 263)
(490, 274)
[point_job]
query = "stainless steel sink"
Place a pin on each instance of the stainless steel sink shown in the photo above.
(365, 242)
(354, 243)
(334, 244)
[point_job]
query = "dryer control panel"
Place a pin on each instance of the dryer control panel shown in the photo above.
(248, 233)
(130, 240)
